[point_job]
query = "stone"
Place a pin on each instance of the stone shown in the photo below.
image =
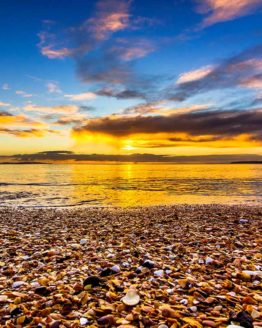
(148, 264)
(94, 281)
(83, 321)
(18, 284)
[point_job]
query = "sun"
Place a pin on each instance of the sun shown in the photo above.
(128, 145)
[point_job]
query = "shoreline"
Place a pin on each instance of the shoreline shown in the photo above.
(73, 207)
(192, 265)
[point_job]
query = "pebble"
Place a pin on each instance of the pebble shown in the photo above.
(159, 273)
(148, 264)
(107, 320)
(209, 260)
(115, 268)
(62, 286)
(83, 321)
(209, 323)
(18, 284)
(94, 281)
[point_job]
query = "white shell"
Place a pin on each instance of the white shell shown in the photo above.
(116, 268)
(131, 298)
(159, 273)
(234, 326)
(83, 321)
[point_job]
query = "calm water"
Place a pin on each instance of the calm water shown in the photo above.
(129, 184)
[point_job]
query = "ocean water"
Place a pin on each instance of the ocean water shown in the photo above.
(129, 184)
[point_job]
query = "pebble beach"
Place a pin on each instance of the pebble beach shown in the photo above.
(165, 266)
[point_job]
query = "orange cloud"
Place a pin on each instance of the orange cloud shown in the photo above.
(81, 96)
(4, 104)
(52, 109)
(55, 53)
(225, 10)
(111, 16)
(184, 127)
(194, 75)
(28, 133)
(253, 82)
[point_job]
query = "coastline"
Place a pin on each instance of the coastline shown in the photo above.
(204, 265)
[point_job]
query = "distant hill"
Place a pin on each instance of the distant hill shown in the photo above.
(247, 162)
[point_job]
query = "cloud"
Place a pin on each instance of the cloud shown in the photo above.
(28, 133)
(51, 109)
(53, 87)
(4, 104)
(254, 82)
(18, 124)
(81, 96)
(199, 123)
(24, 94)
(225, 10)
(77, 118)
(194, 75)
(129, 49)
(121, 94)
(54, 54)
(111, 16)
(98, 59)
(5, 87)
(229, 73)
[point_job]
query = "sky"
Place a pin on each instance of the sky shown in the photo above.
(173, 77)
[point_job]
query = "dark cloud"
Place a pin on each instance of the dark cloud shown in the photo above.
(228, 124)
(4, 113)
(85, 108)
(229, 73)
(27, 133)
(123, 94)
(101, 54)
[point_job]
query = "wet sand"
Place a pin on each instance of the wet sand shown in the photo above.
(188, 266)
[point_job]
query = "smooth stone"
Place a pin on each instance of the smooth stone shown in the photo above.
(83, 241)
(116, 268)
(55, 324)
(3, 298)
(243, 221)
(94, 281)
(148, 264)
(106, 272)
(15, 312)
(107, 320)
(159, 273)
(209, 260)
(43, 291)
(83, 321)
(139, 270)
(75, 246)
(17, 284)
(184, 301)
(193, 308)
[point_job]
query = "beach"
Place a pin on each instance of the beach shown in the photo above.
(180, 266)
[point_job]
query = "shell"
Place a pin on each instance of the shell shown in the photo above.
(132, 298)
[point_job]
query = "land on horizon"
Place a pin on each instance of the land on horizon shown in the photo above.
(71, 157)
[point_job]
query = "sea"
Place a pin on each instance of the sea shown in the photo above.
(129, 184)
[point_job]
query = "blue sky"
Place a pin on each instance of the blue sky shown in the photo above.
(74, 72)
